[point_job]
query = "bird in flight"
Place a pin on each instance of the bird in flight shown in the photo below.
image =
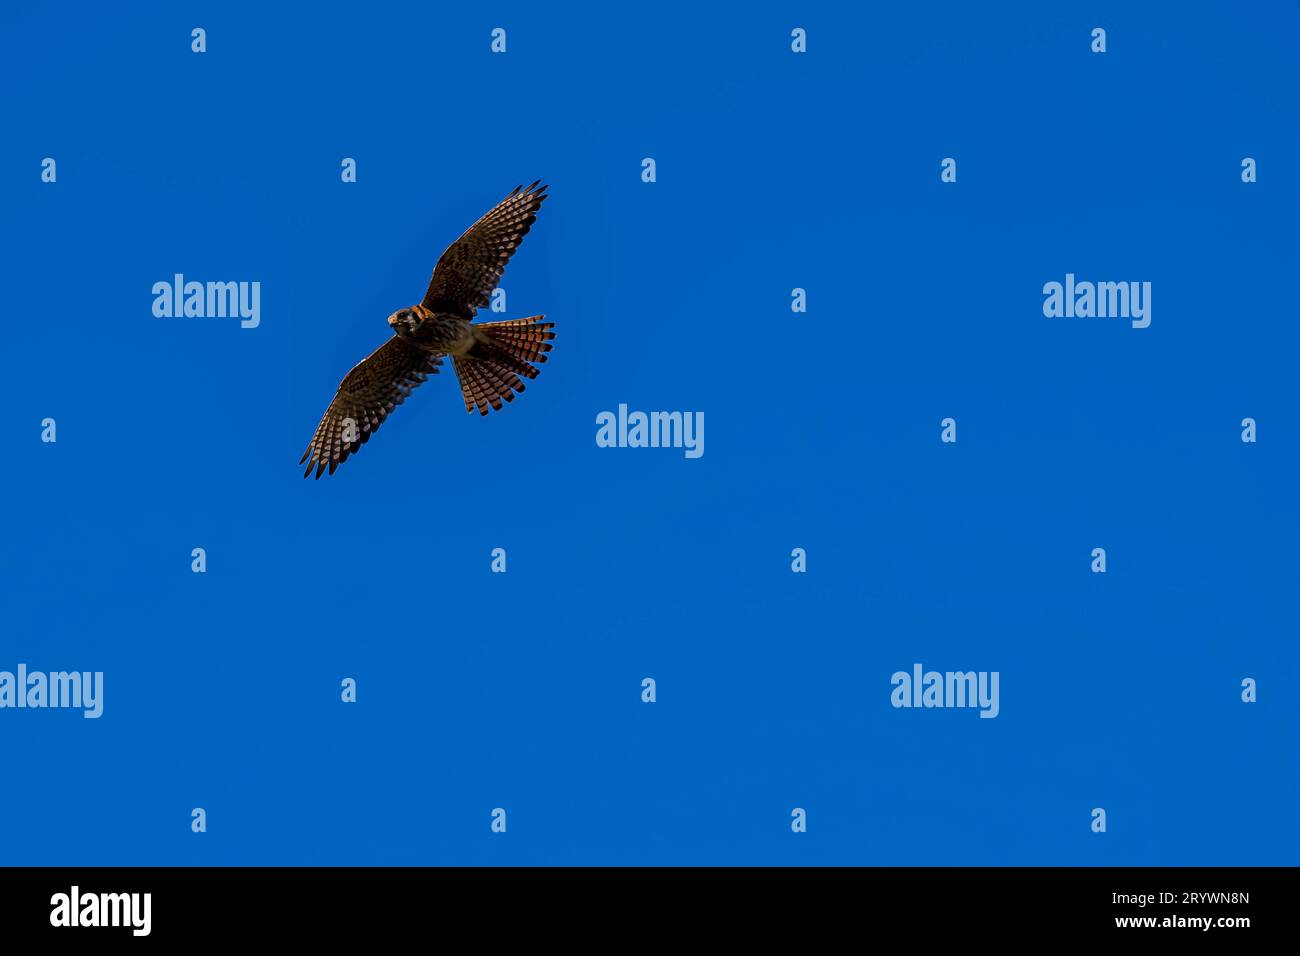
(489, 357)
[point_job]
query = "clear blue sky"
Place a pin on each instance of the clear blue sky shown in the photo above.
(774, 171)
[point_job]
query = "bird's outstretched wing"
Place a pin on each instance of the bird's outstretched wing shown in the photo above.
(468, 271)
(379, 383)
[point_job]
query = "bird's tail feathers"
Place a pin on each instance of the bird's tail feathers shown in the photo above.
(489, 372)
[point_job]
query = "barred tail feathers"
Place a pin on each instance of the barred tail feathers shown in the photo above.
(490, 372)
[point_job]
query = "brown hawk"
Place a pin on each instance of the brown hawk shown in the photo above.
(489, 357)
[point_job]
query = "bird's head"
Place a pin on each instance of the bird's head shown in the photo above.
(404, 322)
